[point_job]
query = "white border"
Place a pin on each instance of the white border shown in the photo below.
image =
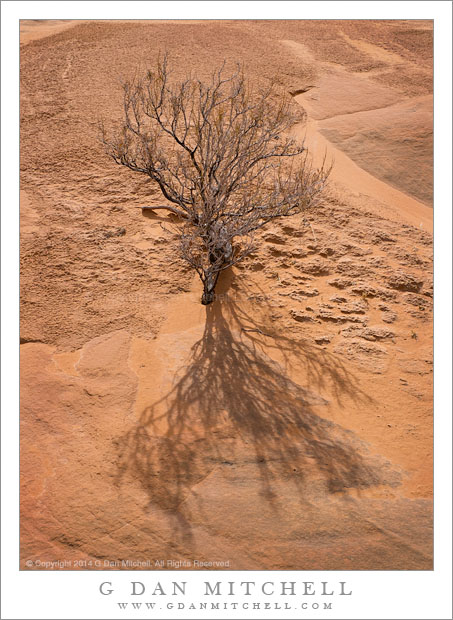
(376, 594)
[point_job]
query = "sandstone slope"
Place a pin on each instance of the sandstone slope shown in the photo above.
(287, 426)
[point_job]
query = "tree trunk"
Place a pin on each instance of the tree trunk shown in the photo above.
(209, 289)
(218, 258)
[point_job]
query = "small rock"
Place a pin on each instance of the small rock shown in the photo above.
(256, 266)
(354, 308)
(118, 232)
(322, 339)
(416, 300)
(368, 333)
(301, 317)
(328, 315)
(352, 268)
(417, 313)
(406, 258)
(277, 252)
(293, 231)
(283, 263)
(313, 247)
(338, 299)
(381, 235)
(298, 253)
(340, 283)
(326, 251)
(389, 317)
(302, 277)
(405, 282)
(308, 292)
(274, 238)
(349, 248)
(377, 261)
(315, 267)
(368, 290)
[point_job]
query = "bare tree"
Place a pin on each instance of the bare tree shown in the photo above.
(222, 156)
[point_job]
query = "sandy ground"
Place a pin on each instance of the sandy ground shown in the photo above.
(287, 426)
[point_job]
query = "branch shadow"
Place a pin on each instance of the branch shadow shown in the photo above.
(167, 218)
(232, 405)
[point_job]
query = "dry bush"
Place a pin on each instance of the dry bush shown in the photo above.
(223, 157)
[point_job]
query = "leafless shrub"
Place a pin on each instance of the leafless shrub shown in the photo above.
(223, 157)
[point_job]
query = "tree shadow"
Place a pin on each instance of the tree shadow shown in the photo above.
(232, 405)
(160, 216)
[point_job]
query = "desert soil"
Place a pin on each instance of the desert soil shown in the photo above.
(288, 425)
